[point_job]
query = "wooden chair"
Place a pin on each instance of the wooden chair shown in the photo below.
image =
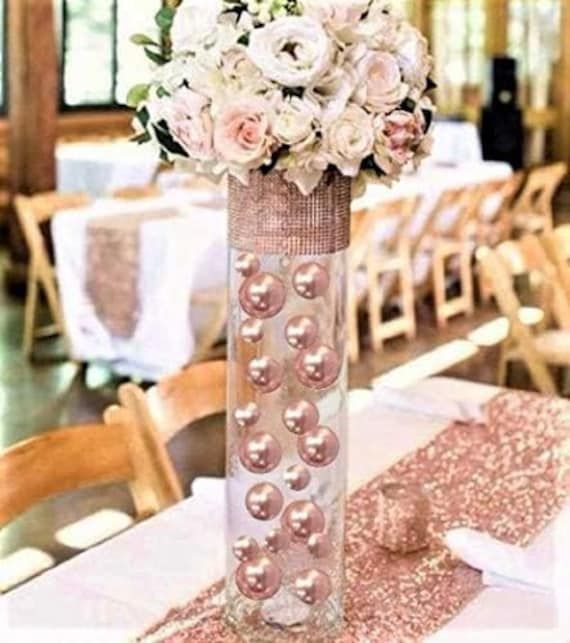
(557, 247)
(133, 193)
(532, 211)
(447, 241)
(176, 402)
(32, 212)
(215, 301)
(537, 351)
(493, 212)
(388, 256)
(81, 456)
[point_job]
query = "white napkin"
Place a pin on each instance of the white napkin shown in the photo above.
(503, 565)
(445, 407)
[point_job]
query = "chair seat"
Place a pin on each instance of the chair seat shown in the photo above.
(529, 221)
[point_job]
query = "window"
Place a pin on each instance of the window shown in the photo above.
(534, 39)
(458, 41)
(99, 63)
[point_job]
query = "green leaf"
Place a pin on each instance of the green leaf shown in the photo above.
(143, 116)
(156, 58)
(162, 93)
(137, 95)
(143, 39)
(143, 137)
(166, 140)
(165, 18)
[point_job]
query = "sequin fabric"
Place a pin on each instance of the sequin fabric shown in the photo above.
(509, 477)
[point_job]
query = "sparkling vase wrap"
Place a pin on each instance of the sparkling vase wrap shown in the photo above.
(287, 407)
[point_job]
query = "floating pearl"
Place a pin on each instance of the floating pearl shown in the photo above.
(265, 374)
(264, 501)
(319, 367)
(262, 295)
(311, 280)
(277, 540)
(318, 447)
(259, 579)
(319, 545)
(297, 477)
(245, 548)
(247, 264)
(251, 331)
(300, 416)
(301, 332)
(260, 452)
(248, 415)
(303, 519)
(312, 586)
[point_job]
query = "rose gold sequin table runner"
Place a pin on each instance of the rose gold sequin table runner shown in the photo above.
(509, 477)
(112, 270)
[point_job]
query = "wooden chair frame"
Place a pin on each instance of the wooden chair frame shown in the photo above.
(32, 212)
(557, 246)
(135, 192)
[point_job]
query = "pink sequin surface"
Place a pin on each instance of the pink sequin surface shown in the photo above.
(509, 477)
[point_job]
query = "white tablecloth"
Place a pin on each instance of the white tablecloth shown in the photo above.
(113, 592)
(455, 143)
(100, 168)
(178, 256)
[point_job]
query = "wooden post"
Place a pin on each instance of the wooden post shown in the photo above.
(496, 34)
(34, 97)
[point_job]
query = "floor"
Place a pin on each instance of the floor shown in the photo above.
(50, 392)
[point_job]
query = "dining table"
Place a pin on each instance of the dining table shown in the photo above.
(120, 589)
(98, 168)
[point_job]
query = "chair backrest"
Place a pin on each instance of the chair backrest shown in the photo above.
(387, 224)
(539, 190)
(495, 269)
(132, 193)
(32, 211)
(495, 202)
(197, 392)
(455, 208)
(71, 458)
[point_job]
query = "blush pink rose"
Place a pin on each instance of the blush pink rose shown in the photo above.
(242, 133)
(398, 135)
(190, 124)
(382, 89)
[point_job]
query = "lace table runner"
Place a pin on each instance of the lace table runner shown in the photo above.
(112, 268)
(509, 477)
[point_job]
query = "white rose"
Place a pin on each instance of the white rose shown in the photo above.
(339, 16)
(412, 54)
(381, 88)
(333, 91)
(292, 51)
(350, 139)
(294, 124)
(380, 27)
(172, 75)
(194, 23)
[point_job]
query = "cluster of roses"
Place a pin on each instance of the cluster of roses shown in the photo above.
(294, 85)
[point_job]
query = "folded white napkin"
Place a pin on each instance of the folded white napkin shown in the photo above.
(442, 406)
(503, 565)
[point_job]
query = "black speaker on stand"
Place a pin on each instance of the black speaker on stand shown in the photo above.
(502, 130)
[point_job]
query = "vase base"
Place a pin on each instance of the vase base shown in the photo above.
(285, 619)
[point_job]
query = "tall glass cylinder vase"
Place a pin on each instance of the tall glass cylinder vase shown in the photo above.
(287, 408)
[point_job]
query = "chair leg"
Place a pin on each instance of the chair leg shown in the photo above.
(352, 328)
(30, 313)
(407, 293)
(375, 313)
(439, 293)
(502, 371)
(467, 281)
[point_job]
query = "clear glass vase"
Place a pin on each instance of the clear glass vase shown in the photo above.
(287, 409)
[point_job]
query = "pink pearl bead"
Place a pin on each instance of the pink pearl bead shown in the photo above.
(259, 579)
(297, 477)
(300, 416)
(247, 264)
(301, 332)
(262, 295)
(260, 452)
(319, 367)
(318, 447)
(245, 548)
(265, 374)
(251, 331)
(312, 586)
(311, 280)
(264, 501)
(303, 519)
(248, 415)
(319, 545)
(277, 540)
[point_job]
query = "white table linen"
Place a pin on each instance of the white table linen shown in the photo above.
(455, 142)
(122, 587)
(99, 168)
(178, 256)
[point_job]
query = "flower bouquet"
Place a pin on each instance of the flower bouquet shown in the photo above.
(295, 101)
